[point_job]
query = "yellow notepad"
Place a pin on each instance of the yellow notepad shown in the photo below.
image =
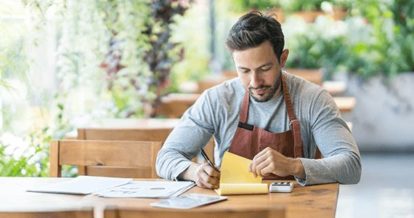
(236, 179)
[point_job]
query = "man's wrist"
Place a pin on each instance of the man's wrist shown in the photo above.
(190, 173)
(297, 168)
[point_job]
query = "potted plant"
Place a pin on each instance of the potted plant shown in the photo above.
(307, 10)
(381, 67)
(315, 48)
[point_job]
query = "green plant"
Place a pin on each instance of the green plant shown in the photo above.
(88, 33)
(150, 71)
(246, 5)
(298, 5)
(344, 4)
(390, 51)
(194, 54)
(310, 52)
(27, 156)
(322, 44)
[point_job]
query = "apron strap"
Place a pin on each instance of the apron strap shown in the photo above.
(288, 101)
(297, 140)
(294, 122)
(244, 111)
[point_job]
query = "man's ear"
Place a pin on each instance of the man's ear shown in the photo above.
(284, 57)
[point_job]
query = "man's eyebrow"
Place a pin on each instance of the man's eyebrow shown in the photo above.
(261, 66)
(265, 65)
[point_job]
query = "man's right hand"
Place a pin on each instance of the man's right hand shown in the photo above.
(203, 175)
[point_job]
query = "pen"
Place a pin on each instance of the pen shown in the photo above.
(203, 153)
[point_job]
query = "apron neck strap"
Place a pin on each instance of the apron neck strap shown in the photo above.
(288, 101)
(244, 113)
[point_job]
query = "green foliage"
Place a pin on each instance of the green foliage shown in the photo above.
(14, 167)
(246, 5)
(377, 39)
(298, 5)
(314, 53)
(192, 47)
(390, 52)
(139, 65)
(286, 5)
(128, 74)
(27, 159)
(89, 34)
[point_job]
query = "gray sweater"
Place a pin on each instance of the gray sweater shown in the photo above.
(216, 113)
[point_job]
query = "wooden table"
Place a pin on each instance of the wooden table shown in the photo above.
(311, 201)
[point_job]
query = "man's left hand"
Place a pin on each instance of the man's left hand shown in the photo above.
(269, 161)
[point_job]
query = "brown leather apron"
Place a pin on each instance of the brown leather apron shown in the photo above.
(250, 140)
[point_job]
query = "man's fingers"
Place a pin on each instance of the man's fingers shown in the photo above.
(267, 170)
(266, 164)
(262, 152)
(259, 160)
(207, 181)
(253, 168)
(204, 180)
(211, 171)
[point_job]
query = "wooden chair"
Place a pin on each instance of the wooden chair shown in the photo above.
(130, 134)
(105, 158)
(135, 133)
(83, 213)
(274, 212)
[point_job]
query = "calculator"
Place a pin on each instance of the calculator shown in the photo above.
(281, 187)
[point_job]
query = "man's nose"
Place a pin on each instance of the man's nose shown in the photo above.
(255, 80)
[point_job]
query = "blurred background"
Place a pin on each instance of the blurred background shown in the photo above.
(66, 64)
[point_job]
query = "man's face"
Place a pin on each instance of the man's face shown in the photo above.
(259, 70)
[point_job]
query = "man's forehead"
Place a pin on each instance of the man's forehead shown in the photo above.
(254, 57)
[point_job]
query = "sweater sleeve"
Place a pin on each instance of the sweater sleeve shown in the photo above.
(341, 159)
(187, 139)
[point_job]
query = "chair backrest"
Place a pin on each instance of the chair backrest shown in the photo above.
(129, 134)
(133, 134)
(105, 158)
(121, 134)
(84, 213)
(274, 212)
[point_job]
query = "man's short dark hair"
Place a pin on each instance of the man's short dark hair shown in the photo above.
(254, 28)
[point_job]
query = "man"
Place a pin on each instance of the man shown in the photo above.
(267, 115)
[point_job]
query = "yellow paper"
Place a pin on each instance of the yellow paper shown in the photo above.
(236, 179)
(242, 188)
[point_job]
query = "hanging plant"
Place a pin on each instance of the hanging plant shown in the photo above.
(148, 73)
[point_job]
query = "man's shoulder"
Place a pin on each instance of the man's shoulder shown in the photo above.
(302, 88)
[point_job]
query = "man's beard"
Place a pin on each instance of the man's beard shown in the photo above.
(272, 90)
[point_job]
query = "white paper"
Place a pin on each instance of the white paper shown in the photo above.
(81, 185)
(147, 189)
(188, 201)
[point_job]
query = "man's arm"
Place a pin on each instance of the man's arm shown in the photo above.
(341, 159)
(185, 142)
(341, 162)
